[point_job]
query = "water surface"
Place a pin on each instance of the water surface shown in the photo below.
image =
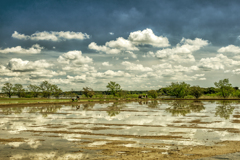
(79, 131)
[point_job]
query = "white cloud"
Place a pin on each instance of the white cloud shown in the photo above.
(18, 65)
(229, 49)
(85, 68)
(217, 63)
(135, 38)
(116, 74)
(186, 46)
(162, 66)
(136, 67)
(235, 71)
(183, 51)
(148, 37)
(105, 49)
(106, 64)
(111, 33)
(29, 69)
(122, 44)
(132, 54)
(44, 73)
(74, 57)
(202, 79)
(80, 79)
(6, 72)
(35, 49)
(149, 54)
(52, 36)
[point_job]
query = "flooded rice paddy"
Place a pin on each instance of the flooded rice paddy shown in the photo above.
(120, 130)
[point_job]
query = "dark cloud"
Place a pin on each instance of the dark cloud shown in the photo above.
(216, 20)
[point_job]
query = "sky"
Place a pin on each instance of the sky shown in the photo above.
(141, 44)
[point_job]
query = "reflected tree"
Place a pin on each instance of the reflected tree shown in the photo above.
(184, 107)
(115, 109)
(11, 110)
(88, 106)
(196, 106)
(224, 110)
(153, 104)
(45, 111)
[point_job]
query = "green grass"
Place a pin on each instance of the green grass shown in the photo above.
(30, 100)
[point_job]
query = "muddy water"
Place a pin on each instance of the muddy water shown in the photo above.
(110, 130)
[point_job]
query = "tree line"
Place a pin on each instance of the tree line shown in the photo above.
(45, 89)
(176, 89)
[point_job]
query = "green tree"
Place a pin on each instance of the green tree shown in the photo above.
(8, 89)
(19, 90)
(224, 87)
(196, 91)
(88, 92)
(113, 87)
(153, 93)
(46, 89)
(180, 90)
(34, 90)
(56, 91)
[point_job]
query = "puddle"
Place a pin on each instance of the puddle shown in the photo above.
(109, 130)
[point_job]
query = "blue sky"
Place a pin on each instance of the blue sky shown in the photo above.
(140, 44)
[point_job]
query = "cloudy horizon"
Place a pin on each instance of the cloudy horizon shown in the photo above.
(142, 46)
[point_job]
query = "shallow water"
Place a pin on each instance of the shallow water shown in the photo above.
(78, 132)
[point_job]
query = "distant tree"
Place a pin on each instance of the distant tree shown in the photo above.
(8, 89)
(153, 93)
(46, 89)
(56, 91)
(34, 90)
(113, 87)
(224, 87)
(19, 90)
(209, 90)
(164, 91)
(88, 92)
(196, 91)
(235, 88)
(180, 90)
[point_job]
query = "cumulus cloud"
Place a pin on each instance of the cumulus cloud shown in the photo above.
(162, 66)
(44, 73)
(148, 37)
(116, 74)
(51, 36)
(217, 63)
(19, 65)
(149, 54)
(105, 49)
(29, 69)
(106, 64)
(136, 67)
(229, 49)
(135, 38)
(77, 79)
(79, 69)
(132, 54)
(186, 46)
(183, 50)
(74, 58)
(235, 71)
(121, 43)
(35, 49)
(6, 72)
